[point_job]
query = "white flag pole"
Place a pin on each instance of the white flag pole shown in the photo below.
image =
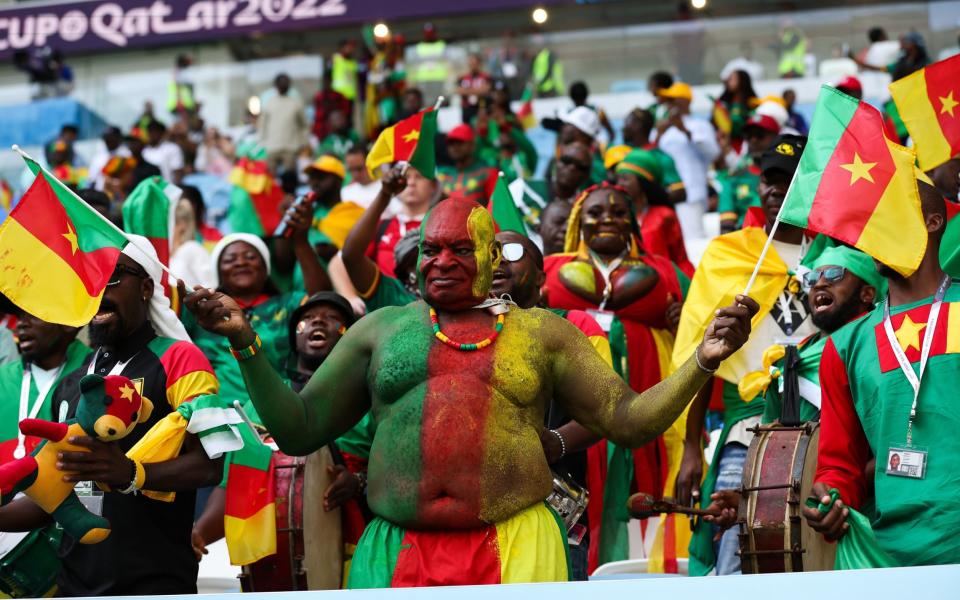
(109, 223)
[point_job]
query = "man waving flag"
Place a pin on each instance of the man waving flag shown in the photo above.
(56, 253)
(855, 185)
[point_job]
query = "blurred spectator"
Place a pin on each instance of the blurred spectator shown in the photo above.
(101, 203)
(510, 64)
(413, 203)
(733, 107)
(160, 151)
(325, 102)
(913, 57)
(946, 178)
(637, 130)
(341, 136)
(658, 80)
(214, 154)
(583, 125)
(412, 102)
(579, 94)
(692, 144)
(547, 74)
(49, 75)
(467, 178)
(553, 226)
(431, 65)
(744, 62)
(343, 71)
(282, 126)
(361, 189)
(386, 78)
(188, 257)
(882, 50)
(501, 141)
(146, 117)
(180, 100)
(118, 175)
(572, 172)
(144, 168)
(112, 146)
(795, 120)
(473, 87)
(63, 168)
(68, 135)
(792, 48)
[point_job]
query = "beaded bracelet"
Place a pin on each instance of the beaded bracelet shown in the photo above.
(248, 352)
(563, 443)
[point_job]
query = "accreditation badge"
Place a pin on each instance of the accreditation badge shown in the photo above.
(90, 496)
(906, 462)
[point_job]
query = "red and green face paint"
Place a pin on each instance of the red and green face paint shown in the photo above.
(458, 254)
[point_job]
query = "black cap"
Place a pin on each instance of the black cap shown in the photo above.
(784, 154)
(331, 298)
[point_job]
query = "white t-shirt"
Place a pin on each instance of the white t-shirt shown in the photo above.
(692, 155)
(362, 194)
(166, 156)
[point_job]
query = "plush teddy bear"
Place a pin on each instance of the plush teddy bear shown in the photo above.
(109, 408)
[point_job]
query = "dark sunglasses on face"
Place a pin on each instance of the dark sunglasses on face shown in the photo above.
(566, 160)
(120, 270)
(830, 274)
(512, 252)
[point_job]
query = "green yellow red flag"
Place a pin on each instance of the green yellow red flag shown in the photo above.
(855, 185)
(56, 253)
(928, 101)
(412, 140)
(249, 518)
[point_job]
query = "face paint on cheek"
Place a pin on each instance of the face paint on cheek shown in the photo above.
(342, 330)
(301, 326)
(481, 230)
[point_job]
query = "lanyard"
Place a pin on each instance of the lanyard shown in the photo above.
(34, 410)
(928, 334)
(605, 271)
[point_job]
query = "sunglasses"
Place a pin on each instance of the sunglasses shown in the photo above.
(830, 274)
(512, 252)
(120, 270)
(566, 160)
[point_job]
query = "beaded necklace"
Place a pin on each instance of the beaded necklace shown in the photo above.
(464, 347)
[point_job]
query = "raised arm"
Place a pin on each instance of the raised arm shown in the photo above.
(362, 270)
(333, 401)
(599, 399)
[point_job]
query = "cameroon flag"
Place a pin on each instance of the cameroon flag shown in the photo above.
(928, 101)
(412, 140)
(56, 253)
(504, 210)
(855, 185)
(250, 519)
(149, 211)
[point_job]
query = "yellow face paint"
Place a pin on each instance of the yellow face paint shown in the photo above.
(486, 249)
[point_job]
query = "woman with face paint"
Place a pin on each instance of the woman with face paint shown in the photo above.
(605, 271)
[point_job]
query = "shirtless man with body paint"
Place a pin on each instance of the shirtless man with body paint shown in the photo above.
(456, 468)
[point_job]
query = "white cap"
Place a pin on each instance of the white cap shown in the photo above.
(585, 119)
(773, 110)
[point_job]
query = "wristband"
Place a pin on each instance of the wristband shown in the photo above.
(138, 478)
(362, 480)
(696, 357)
(248, 352)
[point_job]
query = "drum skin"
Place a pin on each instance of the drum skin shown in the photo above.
(309, 542)
(774, 536)
(30, 569)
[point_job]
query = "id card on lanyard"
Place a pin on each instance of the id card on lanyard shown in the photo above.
(907, 460)
(90, 495)
(21, 450)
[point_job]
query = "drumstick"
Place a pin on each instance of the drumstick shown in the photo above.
(644, 505)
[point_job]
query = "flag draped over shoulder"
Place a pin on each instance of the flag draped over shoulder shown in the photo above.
(855, 185)
(250, 520)
(56, 253)
(149, 211)
(504, 210)
(928, 101)
(412, 140)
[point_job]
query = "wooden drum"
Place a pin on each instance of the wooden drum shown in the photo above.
(778, 474)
